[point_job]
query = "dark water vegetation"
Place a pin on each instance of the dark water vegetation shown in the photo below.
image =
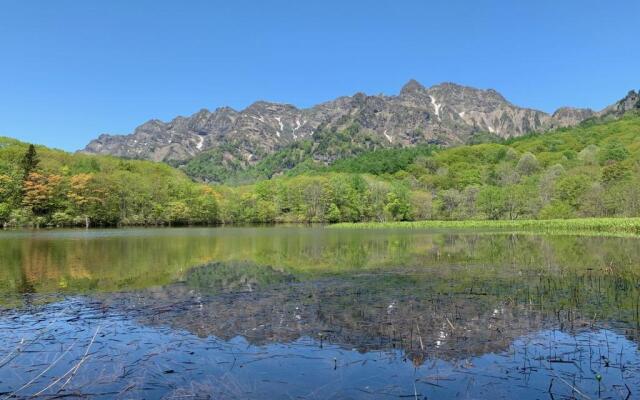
(310, 313)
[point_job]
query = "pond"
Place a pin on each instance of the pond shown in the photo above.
(317, 313)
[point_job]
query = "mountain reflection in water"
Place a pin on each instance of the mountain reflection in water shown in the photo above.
(439, 316)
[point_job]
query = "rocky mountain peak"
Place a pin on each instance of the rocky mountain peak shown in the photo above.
(569, 116)
(630, 102)
(464, 96)
(225, 110)
(447, 113)
(202, 113)
(495, 95)
(151, 126)
(411, 87)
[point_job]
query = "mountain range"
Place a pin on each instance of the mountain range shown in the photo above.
(445, 114)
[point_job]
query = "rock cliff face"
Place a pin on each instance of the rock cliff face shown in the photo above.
(630, 102)
(444, 114)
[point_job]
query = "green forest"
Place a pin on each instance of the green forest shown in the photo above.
(591, 170)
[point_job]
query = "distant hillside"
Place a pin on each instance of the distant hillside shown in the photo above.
(298, 157)
(75, 189)
(445, 114)
(588, 171)
(350, 150)
(592, 170)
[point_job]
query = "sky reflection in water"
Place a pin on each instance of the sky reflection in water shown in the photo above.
(310, 313)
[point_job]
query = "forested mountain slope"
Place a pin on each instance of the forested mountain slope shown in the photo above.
(445, 114)
(586, 171)
(57, 188)
(225, 163)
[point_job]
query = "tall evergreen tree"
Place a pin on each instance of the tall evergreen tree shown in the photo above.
(30, 161)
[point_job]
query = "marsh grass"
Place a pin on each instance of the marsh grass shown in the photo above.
(588, 226)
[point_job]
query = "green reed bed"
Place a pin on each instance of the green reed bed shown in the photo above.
(623, 226)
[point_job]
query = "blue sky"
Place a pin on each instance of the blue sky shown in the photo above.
(70, 70)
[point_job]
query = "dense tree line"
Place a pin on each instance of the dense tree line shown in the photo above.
(47, 187)
(588, 171)
(40, 187)
(329, 197)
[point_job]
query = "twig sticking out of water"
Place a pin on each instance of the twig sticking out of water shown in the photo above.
(453, 328)
(575, 389)
(16, 352)
(82, 360)
(71, 370)
(420, 338)
(44, 371)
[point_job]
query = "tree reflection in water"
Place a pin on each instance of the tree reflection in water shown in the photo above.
(317, 316)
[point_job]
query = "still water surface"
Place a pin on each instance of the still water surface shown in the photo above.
(316, 313)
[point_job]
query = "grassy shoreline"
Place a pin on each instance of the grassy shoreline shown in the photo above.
(625, 226)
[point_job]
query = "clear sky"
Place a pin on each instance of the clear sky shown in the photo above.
(71, 69)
